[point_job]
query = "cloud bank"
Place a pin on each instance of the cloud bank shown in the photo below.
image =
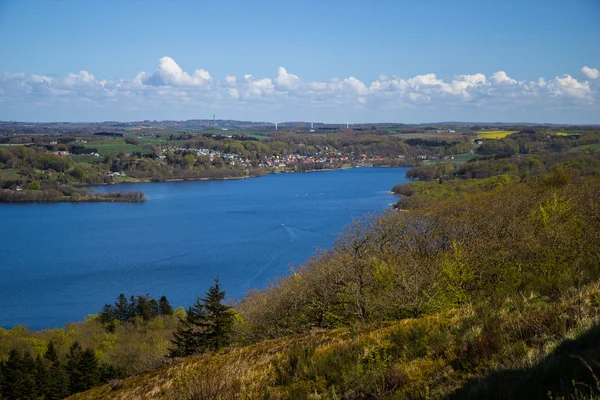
(169, 87)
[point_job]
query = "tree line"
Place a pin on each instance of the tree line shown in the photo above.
(49, 377)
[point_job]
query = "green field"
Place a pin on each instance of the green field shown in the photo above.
(83, 158)
(458, 159)
(259, 137)
(567, 132)
(115, 146)
(595, 146)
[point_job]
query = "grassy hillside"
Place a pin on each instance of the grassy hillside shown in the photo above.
(465, 353)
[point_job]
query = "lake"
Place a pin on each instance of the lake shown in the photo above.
(60, 262)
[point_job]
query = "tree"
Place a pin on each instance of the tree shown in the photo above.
(164, 307)
(83, 368)
(206, 327)
(123, 310)
(57, 383)
(17, 376)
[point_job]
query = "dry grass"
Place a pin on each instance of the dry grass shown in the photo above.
(427, 357)
(237, 373)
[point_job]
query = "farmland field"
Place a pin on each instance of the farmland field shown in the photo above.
(567, 132)
(449, 135)
(497, 134)
(115, 146)
(460, 158)
(595, 146)
(259, 137)
(84, 158)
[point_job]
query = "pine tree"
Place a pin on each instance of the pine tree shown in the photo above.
(218, 319)
(72, 368)
(186, 336)
(123, 309)
(206, 327)
(164, 307)
(18, 376)
(107, 315)
(89, 368)
(57, 383)
(41, 376)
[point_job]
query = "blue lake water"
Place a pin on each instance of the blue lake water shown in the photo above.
(60, 262)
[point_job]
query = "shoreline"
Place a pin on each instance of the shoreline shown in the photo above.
(151, 180)
(272, 172)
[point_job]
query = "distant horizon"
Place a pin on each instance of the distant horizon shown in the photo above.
(466, 122)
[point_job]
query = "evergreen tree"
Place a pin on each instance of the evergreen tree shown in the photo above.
(57, 382)
(146, 307)
(186, 338)
(90, 369)
(206, 327)
(83, 368)
(153, 307)
(107, 315)
(164, 307)
(72, 368)
(218, 320)
(18, 376)
(41, 376)
(122, 309)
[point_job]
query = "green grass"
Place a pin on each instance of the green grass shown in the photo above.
(250, 132)
(115, 146)
(594, 146)
(463, 130)
(259, 137)
(458, 159)
(82, 158)
(446, 136)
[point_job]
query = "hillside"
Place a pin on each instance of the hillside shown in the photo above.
(453, 300)
(448, 354)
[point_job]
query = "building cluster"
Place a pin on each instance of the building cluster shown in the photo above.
(281, 161)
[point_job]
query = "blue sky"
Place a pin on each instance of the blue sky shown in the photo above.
(331, 61)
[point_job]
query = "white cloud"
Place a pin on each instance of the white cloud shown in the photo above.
(356, 85)
(590, 73)
(500, 78)
(566, 85)
(169, 73)
(230, 80)
(171, 86)
(425, 80)
(260, 86)
(286, 80)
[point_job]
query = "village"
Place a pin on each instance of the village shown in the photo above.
(323, 158)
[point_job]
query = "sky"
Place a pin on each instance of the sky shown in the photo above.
(408, 61)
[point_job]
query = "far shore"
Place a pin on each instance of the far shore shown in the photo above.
(268, 172)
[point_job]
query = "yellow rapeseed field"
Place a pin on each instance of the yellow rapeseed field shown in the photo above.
(499, 134)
